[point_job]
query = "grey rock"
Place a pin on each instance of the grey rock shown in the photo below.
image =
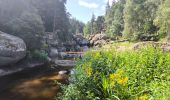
(98, 40)
(100, 43)
(62, 72)
(84, 48)
(164, 46)
(12, 49)
(81, 40)
(53, 52)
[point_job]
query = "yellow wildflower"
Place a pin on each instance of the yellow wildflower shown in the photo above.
(144, 97)
(117, 76)
(137, 97)
(125, 79)
(122, 81)
(111, 76)
(120, 72)
(88, 71)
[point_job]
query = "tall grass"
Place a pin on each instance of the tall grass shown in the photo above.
(121, 75)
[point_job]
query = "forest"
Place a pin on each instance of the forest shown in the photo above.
(133, 20)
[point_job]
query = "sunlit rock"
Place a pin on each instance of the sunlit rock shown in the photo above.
(12, 49)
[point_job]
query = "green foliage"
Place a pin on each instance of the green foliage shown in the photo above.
(100, 23)
(76, 26)
(114, 19)
(134, 19)
(71, 93)
(121, 75)
(39, 55)
(162, 19)
(29, 19)
(94, 26)
(55, 17)
(138, 18)
(87, 29)
(22, 19)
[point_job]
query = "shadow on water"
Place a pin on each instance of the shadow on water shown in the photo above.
(33, 84)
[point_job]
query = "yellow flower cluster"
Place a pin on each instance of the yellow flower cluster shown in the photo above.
(88, 71)
(123, 81)
(144, 97)
(118, 78)
(87, 68)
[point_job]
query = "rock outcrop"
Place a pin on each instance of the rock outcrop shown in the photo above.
(80, 40)
(82, 43)
(12, 49)
(164, 46)
(98, 39)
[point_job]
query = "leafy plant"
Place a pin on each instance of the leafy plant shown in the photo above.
(121, 75)
(39, 55)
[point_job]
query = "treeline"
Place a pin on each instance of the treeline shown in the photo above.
(134, 20)
(76, 26)
(94, 26)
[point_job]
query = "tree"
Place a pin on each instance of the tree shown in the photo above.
(162, 19)
(108, 19)
(138, 18)
(114, 19)
(76, 26)
(87, 29)
(100, 23)
(118, 23)
(29, 19)
(55, 17)
(20, 18)
(93, 24)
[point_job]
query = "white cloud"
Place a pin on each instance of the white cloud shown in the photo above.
(103, 7)
(87, 4)
(111, 2)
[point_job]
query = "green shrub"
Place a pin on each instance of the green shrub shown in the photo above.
(121, 75)
(39, 55)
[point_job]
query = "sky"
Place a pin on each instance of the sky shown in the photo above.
(83, 9)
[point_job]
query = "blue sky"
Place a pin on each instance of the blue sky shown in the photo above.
(83, 9)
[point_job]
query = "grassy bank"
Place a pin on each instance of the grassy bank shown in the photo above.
(110, 74)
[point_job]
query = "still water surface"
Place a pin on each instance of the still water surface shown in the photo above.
(30, 85)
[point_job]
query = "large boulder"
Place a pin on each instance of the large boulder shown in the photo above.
(100, 43)
(80, 40)
(53, 53)
(12, 49)
(98, 39)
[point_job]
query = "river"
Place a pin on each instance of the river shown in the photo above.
(31, 84)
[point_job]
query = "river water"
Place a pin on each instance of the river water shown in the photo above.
(33, 84)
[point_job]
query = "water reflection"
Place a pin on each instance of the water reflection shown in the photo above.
(36, 88)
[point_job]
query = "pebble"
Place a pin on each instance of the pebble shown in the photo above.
(62, 72)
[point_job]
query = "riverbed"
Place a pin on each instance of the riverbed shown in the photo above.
(32, 84)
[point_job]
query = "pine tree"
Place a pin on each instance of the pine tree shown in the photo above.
(114, 19)
(93, 24)
(20, 18)
(55, 17)
(138, 18)
(100, 23)
(163, 19)
(87, 29)
(76, 26)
